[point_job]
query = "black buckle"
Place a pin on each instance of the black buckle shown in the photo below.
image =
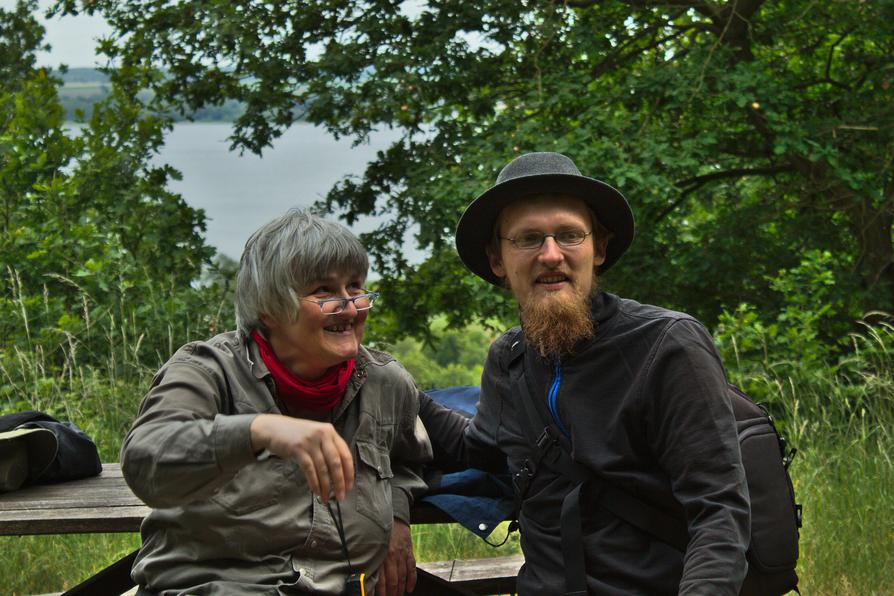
(545, 440)
(522, 478)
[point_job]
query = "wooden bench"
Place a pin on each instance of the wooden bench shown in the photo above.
(105, 504)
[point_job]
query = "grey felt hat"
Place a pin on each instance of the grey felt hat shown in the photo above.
(540, 173)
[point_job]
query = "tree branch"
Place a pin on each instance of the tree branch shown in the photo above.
(690, 185)
(703, 7)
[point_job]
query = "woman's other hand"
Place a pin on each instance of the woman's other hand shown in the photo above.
(398, 573)
(315, 446)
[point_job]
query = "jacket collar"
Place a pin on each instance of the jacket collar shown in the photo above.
(361, 363)
(603, 306)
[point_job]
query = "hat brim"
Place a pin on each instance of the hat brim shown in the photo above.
(41, 444)
(475, 227)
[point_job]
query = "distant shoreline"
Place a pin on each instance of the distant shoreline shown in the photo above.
(83, 87)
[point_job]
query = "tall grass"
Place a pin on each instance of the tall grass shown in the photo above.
(841, 418)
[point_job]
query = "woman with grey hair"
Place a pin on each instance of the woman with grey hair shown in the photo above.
(283, 457)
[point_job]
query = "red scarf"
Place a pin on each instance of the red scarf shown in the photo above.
(319, 395)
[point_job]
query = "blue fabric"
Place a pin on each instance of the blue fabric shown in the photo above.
(476, 500)
(463, 398)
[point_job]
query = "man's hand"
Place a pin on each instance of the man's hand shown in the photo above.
(323, 455)
(397, 575)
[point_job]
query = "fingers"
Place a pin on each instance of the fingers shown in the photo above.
(387, 584)
(316, 447)
(338, 466)
(328, 453)
(382, 583)
(398, 573)
(407, 557)
(411, 572)
(401, 575)
(306, 463)
(321, 470)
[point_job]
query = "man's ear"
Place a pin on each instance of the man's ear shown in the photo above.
(496, 263)
(599, 247)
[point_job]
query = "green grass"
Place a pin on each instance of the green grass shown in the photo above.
(44, 564)
(444, 542)
(847, 541)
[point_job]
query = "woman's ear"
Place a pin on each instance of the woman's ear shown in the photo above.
(268, 322)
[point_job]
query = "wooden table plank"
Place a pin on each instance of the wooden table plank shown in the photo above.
(101, 503)
(480, 576)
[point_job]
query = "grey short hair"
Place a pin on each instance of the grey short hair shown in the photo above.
(286, 255)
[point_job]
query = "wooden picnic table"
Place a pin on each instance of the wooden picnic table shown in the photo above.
(105, 504)
(100, 504)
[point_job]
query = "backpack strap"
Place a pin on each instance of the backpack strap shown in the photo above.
(546, 441)
(553, 449)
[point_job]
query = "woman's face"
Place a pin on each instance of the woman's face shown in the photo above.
(315, 342)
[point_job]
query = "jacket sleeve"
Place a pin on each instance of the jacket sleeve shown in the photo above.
(692, 430)
(460, 442)
(183, 446)
(410, 450)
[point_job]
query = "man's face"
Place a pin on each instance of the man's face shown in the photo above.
(552, 272)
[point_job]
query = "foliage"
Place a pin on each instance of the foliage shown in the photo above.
(777, 362)
(802, 337)
(92, 242)
(839, 414)
(451, 358)
(745, 132)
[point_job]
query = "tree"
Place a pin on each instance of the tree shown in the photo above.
(96, 252)
(744, 132)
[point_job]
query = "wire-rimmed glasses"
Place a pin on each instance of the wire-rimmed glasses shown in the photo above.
(534, 240)
(334, 306)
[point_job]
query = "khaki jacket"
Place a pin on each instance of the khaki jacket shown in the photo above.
(226, 521)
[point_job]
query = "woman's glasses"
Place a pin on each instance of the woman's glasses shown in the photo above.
(334, 306)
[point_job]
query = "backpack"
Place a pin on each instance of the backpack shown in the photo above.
(775, 517)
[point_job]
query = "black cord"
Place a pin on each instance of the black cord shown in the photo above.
(513, 526)
(339, 525)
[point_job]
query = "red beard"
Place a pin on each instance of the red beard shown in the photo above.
(556, 324)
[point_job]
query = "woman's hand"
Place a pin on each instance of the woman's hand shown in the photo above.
(315, 446)
(397, 575)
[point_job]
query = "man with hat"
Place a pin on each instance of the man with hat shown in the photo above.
(636, 394)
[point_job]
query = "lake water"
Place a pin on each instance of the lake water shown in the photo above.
(241, 193)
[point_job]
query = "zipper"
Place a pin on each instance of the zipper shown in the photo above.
(552, 398)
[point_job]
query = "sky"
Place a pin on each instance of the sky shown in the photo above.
(73, 39)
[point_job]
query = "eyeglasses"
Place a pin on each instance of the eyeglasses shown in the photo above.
(333, 306)
(534, 240)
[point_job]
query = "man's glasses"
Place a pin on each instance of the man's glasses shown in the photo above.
(534, 240)
(333, 306)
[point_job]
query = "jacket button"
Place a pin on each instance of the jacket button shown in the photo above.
(313, 544)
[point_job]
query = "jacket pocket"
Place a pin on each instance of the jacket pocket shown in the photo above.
(255, 486)
(374, 484)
